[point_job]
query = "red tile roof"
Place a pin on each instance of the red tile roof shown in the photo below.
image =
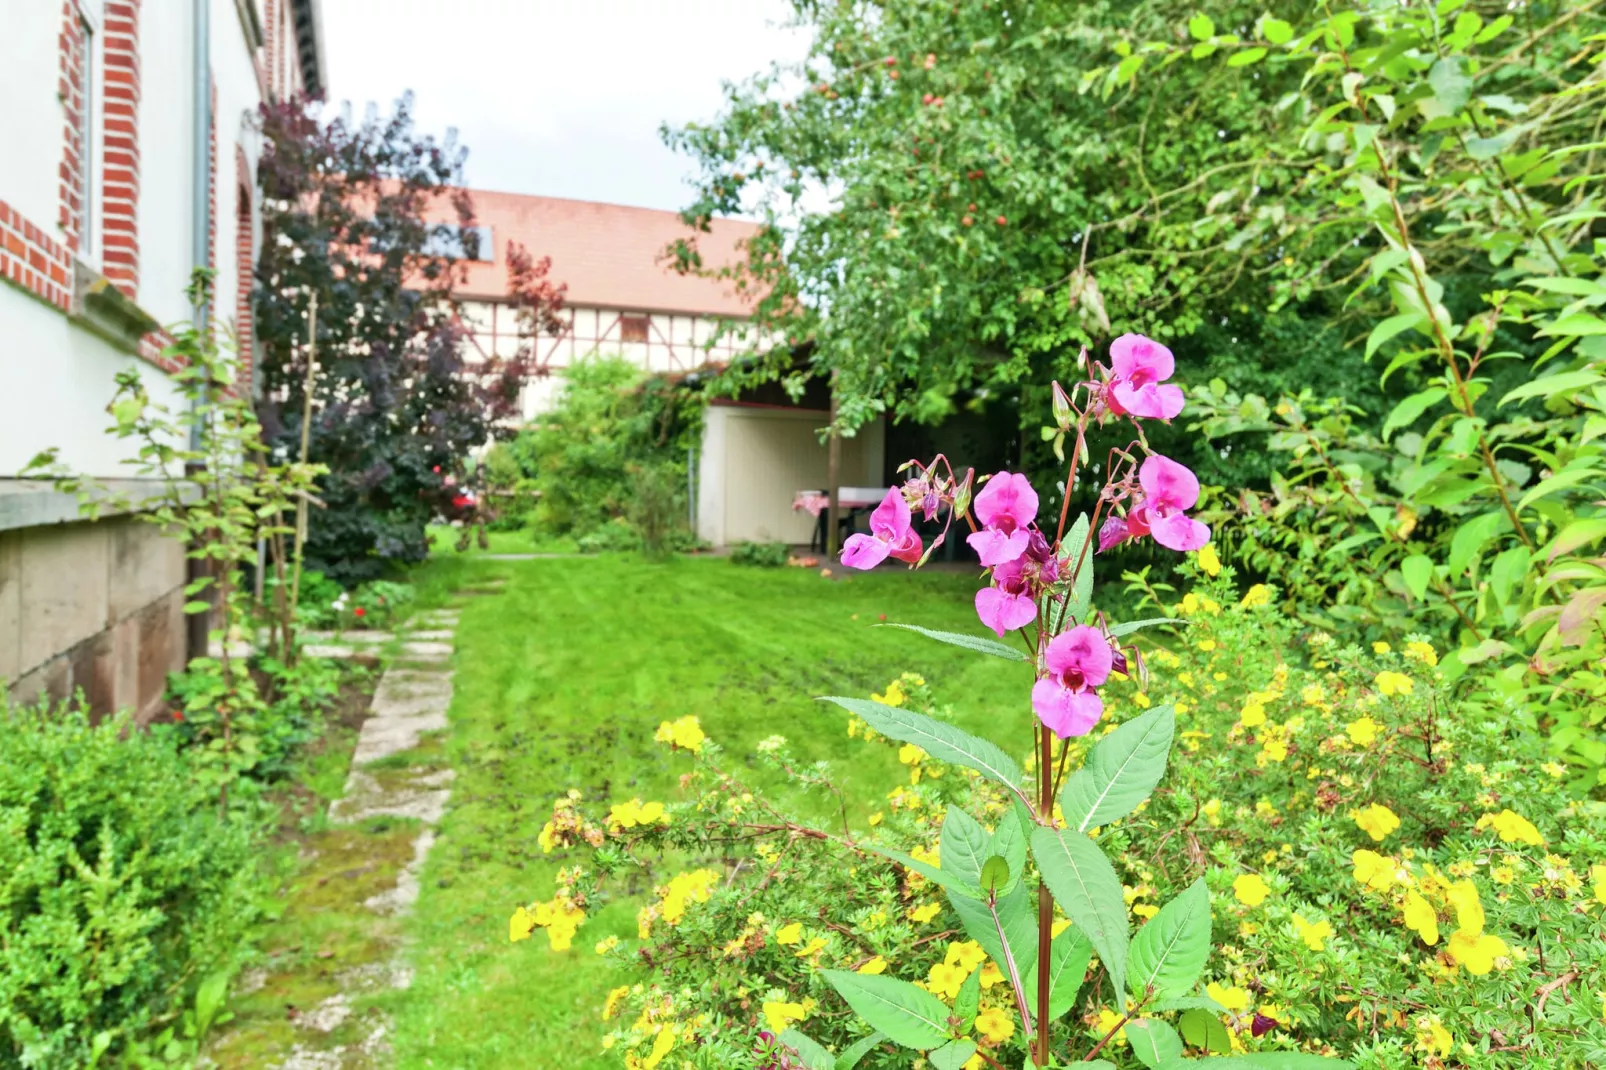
(609, 255)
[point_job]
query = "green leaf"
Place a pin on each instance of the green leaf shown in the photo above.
(1576, 534)
(1187, 1003)
(963, 846)
(995, 874)
(1487, 148)
(945, 878)
(953, 1055)
(1085, 886)
(1390, 327)
(942, 741)
(1153, 1041)
(1418, 572)
(1406, 412)
(1202, 1029)
(1068, 957)
(1268, 1060)
(1450, 83)
(1201, 27)
(967, 1000)
(1128, 627)
(1554, 384)
(980, 644)
(849, 1057)
(1559, 481)
(1017, 913)
(908, 1015)
(197, 606)
(1246, 57)
(1120, 772)
(813, 1055)
(1169, 951)
(1276, 31)
(1009, 842)
(1469, 540)
(1081, 601)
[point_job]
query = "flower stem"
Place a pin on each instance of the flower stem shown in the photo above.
(1045, 901)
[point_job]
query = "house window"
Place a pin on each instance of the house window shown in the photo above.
(633, 328)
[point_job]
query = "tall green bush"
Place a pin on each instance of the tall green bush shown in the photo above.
(121, 889)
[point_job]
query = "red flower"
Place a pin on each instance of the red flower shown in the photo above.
(178, 715)
(360, 612)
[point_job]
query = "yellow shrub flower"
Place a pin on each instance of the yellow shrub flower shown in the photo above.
(1377, 821)
(1258, 595)
(606, 945)
(813, 947)
(1476, 952)
(1107, 1021)
(1059, 926)
(547, 839)
(1373, 870)
(661, 1044)
(966, 954)
(1502, 874)
(991, 975)
(1145, 910)
(1513, 828)
(612, 1005)
(1212, 812)
(520, 925)
(560, 918)
(791, 933)
(1597, 874)
(693, 887)
(1253, 715)
(1250, 890)
(1421, 919)
(778, 1015)
(1381, 647)
(1208, 559)
(1362, 732)
(922, 915)
(1423, 652)
(995, 1024)
(685, 733)
(874, 966)
(1313, 933)
(1463, 896)
(1206, 645)
(945, 978)
(1432, 1037)
(1234, 999)
(1390, 682)
(630, 814)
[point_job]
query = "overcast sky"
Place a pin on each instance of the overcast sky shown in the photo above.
(556, 97)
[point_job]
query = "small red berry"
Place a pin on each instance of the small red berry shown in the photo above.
(927, 99)
(967, 221)
(1002, 221)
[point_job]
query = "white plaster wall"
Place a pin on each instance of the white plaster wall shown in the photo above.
(238, 97)
(55, 381)
(31, 114)
(166, 189)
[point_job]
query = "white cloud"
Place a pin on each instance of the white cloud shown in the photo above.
(557, 97)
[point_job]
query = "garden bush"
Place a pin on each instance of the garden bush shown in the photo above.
(122, 891)
(761, 554)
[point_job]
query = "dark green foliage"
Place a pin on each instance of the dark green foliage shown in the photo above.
(121, 889)
(760, 554)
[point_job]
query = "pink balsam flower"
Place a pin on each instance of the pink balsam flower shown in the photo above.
(1079, 660)
(891, 535)
(1169, 490)
(1007, 505)
(1137, 387)
(1011, 601)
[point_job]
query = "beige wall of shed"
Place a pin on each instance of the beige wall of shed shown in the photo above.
(755, 460)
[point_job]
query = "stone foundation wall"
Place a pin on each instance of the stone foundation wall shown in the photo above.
(97, 607)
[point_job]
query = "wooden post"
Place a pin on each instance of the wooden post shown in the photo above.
(833, 467)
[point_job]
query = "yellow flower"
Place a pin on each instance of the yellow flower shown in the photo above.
(991, 975)
(1233, 999)
(1253, 715)
(1250, 889)
(1390, 682)
(779, 1015)
(1381, 647)
(967, 954)
(1140, 700)
(1212, 812)
(607, 945)
(1373, 870)
(1432, 1037)
(1502, 874)
(1362, 732)
(614, 997)
(1598, 875)
(1207, 645)
(813, 947)
(789, 934)
(693, 887)
(1059, 926)
(520, 925)
(660, 1047)
(922, 915)
(1513, 828)
(1463, 896)
(1377, 820)
(1476, 952)
(1555, 769)
(1313, 933)
(1258, 595)
(995, 1024)
(560, 918)
(875, 818)
(874, 966)
(909, 754)
(1107, 1021)
(1208, 560)
(1145, 910)
(630, 814)
(1421, 919)
(945, 979)
(1422, 652)
(1272, 750)
(547, 839)
(685, 733)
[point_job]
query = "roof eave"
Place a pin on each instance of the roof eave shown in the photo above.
(308, 18)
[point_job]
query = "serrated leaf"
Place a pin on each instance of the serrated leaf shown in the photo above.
(1154, 1042)
(1009, 842)
(908, 1015)
(1016, 913)
(1187, 1003)
(942, 741)
(1128, 627)
(953, 1055)
(1120, 771)
(1169, 951)
(1084, 884)
(1081, 600)
(849, 1057)
(978, 643)
(943, 878)
(1068, 957)
(1202, 1029)
(967, 1000)
(813, 1055)
(995, 875)
(963, 846)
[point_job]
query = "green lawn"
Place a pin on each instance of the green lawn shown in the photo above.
(562, 679)
(524, 541)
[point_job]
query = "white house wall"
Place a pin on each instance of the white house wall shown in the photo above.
(754, 461)
(31, 120)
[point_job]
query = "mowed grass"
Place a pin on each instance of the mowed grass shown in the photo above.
(562, 679)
